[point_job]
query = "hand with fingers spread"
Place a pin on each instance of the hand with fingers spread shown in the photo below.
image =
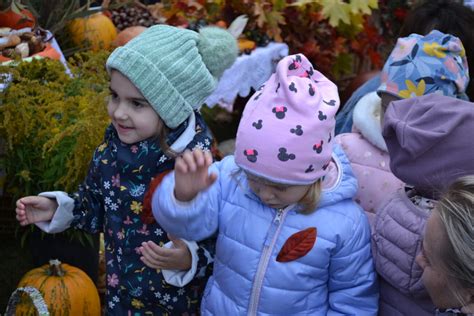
(34, 209)
(191, 174)
(177, 257)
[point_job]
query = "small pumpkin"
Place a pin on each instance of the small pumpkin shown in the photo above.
(127, 34)
(221, 24)
(96, 31)
(16, 16)
(246, 44)
(66, 290)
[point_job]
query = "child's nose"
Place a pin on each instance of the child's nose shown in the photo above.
(120, 112)
(265, 193)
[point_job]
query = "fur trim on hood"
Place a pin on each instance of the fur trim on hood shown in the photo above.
(366, 119)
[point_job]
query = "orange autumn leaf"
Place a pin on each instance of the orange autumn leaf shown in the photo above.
(298, 245)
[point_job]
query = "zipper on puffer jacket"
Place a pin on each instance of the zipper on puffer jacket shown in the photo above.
(270, 241)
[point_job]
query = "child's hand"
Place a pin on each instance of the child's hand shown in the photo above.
(176, 258)
(33, 209)
(191, 176)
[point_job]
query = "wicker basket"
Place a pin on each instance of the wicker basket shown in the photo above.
(34, 295)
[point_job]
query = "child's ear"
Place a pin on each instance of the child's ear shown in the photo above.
(469, 307)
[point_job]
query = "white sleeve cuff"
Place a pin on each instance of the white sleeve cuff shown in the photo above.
(63, 216)
(184, 204)
(181, 278)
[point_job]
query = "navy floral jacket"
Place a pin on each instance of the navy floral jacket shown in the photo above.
(111, 200)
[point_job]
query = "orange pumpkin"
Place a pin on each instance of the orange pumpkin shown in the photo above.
(127, 34)
(96, 31)
(66, 290)
(16, 16)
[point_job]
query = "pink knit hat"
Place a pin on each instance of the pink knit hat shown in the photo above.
(285, 134)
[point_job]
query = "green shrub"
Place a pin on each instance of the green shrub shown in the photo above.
(52, 122)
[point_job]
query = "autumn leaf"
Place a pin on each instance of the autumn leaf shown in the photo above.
(270, 18)
(336, 11)
(300, 3)
(297, 245)
(357, 22)
(362, 6)
(274, 20)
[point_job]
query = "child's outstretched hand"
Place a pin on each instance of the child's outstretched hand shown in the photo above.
(33, 209)
(191, 176)
(176, 258)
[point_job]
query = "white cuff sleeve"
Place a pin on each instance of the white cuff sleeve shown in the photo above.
(180, 278)
(63, 216)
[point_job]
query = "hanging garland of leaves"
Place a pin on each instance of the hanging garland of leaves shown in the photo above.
(341, 38)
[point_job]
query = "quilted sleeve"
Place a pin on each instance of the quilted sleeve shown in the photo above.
(193, 220)
(353, 288)
(397, 239)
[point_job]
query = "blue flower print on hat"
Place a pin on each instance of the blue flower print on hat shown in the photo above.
(419, 65)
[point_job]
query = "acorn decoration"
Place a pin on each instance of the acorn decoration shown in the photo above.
(21, 43)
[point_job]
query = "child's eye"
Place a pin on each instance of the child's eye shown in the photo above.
(138, 104)
(280, 189)
(113, 96)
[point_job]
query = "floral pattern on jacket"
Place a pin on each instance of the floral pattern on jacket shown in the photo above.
(111, 200)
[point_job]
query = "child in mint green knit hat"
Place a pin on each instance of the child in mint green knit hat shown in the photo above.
(158, 81)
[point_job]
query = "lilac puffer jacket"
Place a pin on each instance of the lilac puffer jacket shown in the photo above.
(396, 240)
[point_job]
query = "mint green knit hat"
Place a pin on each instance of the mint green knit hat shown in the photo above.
(175, 69)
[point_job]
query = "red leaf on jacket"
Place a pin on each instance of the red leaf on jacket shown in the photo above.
(298, 245)
(147, 214)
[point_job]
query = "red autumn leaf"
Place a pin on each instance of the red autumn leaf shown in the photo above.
(147, 214)
(298, 245)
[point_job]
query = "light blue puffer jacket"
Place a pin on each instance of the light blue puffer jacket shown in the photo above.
(336, 277)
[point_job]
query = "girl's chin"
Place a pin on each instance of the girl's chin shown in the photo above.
(275, 205)
(127, 139)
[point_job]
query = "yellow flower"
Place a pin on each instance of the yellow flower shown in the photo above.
(463, 51)
(102, 147)
(25, 174)
(412, 90)
(434, 49)
(136, 207)
(55, 130)
(137, 304)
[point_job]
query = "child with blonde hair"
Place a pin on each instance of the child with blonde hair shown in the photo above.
(291, 241)
(158, 81)
(446, 256)
(427, 139)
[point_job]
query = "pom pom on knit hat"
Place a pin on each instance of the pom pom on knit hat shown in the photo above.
(215, 47)
(175, 69)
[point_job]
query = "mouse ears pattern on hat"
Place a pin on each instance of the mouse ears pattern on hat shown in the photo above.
(420, 65)
(285, 134)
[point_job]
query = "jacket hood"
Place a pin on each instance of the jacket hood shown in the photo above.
(343, 183)
(366, 118)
